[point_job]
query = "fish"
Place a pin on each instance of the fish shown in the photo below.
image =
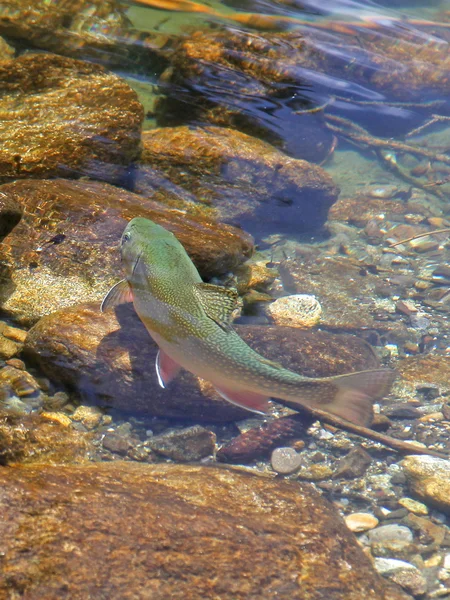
(191, 322)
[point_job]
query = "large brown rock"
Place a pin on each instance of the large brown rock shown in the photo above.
(62, 116)
(98, 30)
(65, 248)
(123, 530)
(249, 182)
(110, 359)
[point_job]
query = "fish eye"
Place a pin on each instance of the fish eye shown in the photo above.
(126, 237)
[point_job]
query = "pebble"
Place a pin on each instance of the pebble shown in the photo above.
(385, 566)
(58, 417)
(429, 479)
(418, 508)
(411, 580)
(388, 533)
(286, 460)
(298, 310)
(315, 473)
(89, 416)
(115, 442)
(184, 445)
(358, 522)
(353, 465)
(15, 334)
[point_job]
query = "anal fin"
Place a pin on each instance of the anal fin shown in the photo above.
(166, 368)
(245, 399)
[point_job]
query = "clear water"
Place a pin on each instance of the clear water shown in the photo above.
(317, 83)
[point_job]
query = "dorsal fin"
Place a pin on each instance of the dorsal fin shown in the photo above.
(218, 302)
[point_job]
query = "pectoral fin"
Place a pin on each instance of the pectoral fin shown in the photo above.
(118, 294)
(249, 400)
(166, 368)
(218, 302)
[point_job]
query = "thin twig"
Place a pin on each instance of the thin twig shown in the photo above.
(419, 235)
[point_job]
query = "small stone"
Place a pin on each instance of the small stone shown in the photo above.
(8, 348)
(89, 416)
(411, 580)
(184, 445)
(116, 443)
(59, 417)
(16, 363)
(14, 333)
(286, 460)
(390, 533)
(429, 478)
(387, 566)
(446, 563)
(298, 310)
(353, 465)
(315, 473)
(58, 400)
(358, 522)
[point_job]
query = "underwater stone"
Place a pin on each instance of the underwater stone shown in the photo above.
(184, 445)
(65, 249)
(429, 479)
(199, 532)
(286, 460)
(109, 358)
(97, 30)
(40, 439)
(358, 522)
(247, 181)
(298, 310)
(65, 117)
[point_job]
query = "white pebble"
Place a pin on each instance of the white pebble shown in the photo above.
(298, 310)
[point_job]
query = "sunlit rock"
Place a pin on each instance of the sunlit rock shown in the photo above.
(63, 117)
(65, 250)
(110, 359)
(133, 530)
(249, 182)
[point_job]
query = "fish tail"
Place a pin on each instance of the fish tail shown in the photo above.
(350, 397)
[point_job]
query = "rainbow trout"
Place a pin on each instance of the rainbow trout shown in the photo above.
(191, 322)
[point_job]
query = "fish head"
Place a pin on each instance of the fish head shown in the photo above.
(145, 245)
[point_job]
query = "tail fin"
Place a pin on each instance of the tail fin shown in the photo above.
(350, 397)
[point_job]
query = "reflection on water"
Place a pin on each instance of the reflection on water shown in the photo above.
(296, 149)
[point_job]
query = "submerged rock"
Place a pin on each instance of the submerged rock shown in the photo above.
(247, 181)
(347, 293)
(41, 439)
(109, 358)
(199, 532)
(268, 84)
(429, 479)
(97, 30)
(65, 248)
(66, 117)
(184, 445)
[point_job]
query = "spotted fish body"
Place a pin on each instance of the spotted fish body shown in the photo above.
(191, 323)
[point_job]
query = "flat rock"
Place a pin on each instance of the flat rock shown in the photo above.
(184, 445)
(347, 295)
(63, 116)
(109, 357)
(40, 439)
(248, 181)
(65, 248)
(186, 532)
(428, 369)
(89, 29)
(428, 478)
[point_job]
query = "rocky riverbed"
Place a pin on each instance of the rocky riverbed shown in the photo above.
(114, 487)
